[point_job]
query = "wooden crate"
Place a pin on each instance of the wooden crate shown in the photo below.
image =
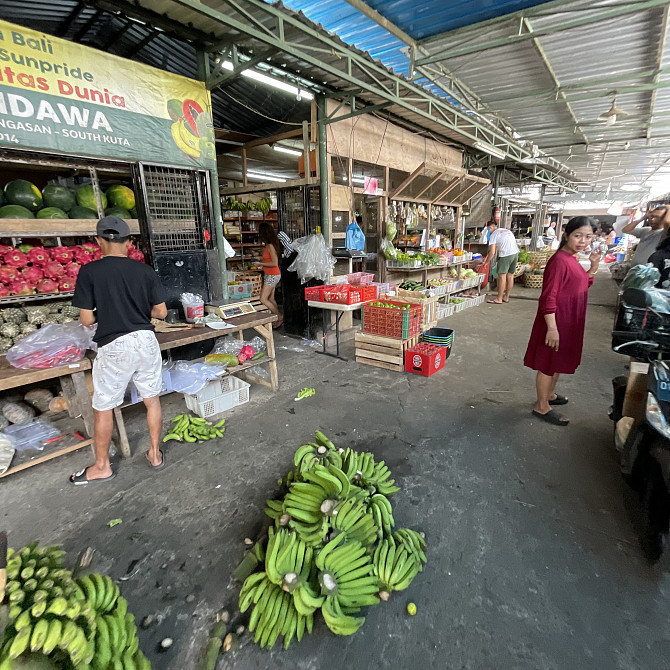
(382, 352)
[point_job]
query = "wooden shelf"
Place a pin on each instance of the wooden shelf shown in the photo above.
(55, 227)
(33, 297)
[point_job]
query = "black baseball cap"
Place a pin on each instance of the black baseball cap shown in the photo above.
(112, 227)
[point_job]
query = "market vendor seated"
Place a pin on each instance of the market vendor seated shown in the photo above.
(122, 296)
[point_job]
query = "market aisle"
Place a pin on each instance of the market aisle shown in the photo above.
(533, 561)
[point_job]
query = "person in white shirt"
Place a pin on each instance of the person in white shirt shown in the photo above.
(503, 244)
(650, 233)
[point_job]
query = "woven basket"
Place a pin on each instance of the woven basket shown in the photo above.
(519, 270)
(531, 280)
(255, 278)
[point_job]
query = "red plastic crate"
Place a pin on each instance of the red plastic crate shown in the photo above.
(314, 293)
(426, 359)
(360, 278)
(349, 295)
(388, 322)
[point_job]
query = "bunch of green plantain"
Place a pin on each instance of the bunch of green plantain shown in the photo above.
(187, 428)
(332, 547)
(57, 621)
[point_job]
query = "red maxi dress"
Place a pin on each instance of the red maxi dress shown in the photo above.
(564, 293)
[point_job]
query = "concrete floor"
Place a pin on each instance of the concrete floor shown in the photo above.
(533, 557)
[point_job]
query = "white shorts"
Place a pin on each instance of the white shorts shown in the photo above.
(271, 280)
(133, 357)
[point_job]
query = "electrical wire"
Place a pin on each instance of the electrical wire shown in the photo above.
(255, 111)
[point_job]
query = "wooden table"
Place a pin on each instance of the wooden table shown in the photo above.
(73, 382)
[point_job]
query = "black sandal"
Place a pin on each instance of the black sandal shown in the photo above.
(161, 465)
(79, 478)
(553, 417)
(559, 400)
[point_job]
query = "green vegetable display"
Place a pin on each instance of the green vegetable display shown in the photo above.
(187, 428)
(390, 305)
(332, 547)
(524, 257)
(410, 285)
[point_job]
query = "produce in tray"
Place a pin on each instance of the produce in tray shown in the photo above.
(56, 621)
(332, 547)
(390, 305)
(410, 285)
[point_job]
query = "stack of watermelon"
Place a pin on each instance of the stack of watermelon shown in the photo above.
(25, 270)
(21, 199)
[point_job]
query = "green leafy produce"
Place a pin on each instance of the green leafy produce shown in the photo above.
(306, 393)
(55, 195)
(524, 257)
(333, 547)
(23, 193)
(187, 428)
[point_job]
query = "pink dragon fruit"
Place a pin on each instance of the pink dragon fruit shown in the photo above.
(4, 291)
(47, 286)
(72, 270)
(66, 284)
(32, 275)
(247, 350)
(83, 255)
(136, 255)
(4, 248)
(20, 287)
(241, 358)
(38, 256)
(96, 251)
(15, 258)
(62, 254)
(8, 275)
(54, 270)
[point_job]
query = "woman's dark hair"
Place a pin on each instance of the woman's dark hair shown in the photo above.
(575, 223)
(267, 235)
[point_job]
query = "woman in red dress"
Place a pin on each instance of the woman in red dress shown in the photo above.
(556, 341)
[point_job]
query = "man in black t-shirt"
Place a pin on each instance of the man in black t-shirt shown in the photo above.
(121, 296)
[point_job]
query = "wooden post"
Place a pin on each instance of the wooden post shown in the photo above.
(244, 166)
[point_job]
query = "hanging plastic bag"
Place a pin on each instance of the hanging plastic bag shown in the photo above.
(54, 344)
(389, 250)
(640, 276)
(227, 249)
(355, 237)
(314, 260)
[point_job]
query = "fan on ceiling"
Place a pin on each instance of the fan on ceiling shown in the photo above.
(611, 115)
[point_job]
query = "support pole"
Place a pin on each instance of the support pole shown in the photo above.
(538, 221)
(323, 169)
(203, 74)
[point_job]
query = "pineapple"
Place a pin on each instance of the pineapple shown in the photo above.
(37, 315)
(9, 330)
(27, 328)
(5, 344)
(70, 311)
(13, 315)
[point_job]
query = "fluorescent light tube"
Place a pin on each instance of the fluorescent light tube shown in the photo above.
(271, 81)
(487, 148)
(266, 176)
(287, 150)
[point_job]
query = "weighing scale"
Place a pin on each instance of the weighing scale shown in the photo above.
(348, 253)
(227, 310)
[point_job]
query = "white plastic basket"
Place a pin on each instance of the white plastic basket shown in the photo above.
(218, 396)
(443, 311)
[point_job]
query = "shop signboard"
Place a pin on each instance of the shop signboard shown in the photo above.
(64, 97)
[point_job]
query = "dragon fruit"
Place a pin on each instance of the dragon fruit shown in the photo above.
(32, 275)
(62, 254)
(4, 248)
(241, 358)
(72, 270)
(38, 256)
(96, 251)
(247, 350)
(8, 275)
(54, 270)
(47, 286)
(4, 291)
(83, 255)
(66, 284)
(20, 287)
(15, 258)
(136, 255)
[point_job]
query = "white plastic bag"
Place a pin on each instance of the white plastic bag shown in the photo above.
(314, 260)
(192, 377)
(53, 345)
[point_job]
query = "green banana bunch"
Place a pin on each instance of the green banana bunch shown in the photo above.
(352, 519)
(101, 592)
(394, 566)
(382, 512)
(362, 470)
(414, 543)
(322, 451)
(287, 560)
(188, 428)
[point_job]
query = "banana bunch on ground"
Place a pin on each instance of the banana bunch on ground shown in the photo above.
(364, 472)
(331, 548)
(56, 620)
(187, 428)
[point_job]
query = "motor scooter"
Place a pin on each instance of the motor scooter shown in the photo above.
(641, 409)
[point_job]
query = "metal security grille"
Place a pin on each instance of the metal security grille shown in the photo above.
(175, 210)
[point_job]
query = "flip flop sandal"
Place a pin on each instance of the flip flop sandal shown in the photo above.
(559, 400)
(494, 302)
(79, 478)
(162, 463)
(553, 417)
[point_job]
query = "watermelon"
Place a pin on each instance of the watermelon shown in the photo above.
(133, 212)
(120, 196)
(55, 195)
(78, 212)
(23, 193)
(86, 197)
(51, 213)
(15, 212)
(118, 211)
(2, 197)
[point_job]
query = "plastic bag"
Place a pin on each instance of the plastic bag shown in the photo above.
(192, 377)
(640, 276)
(389, 250)
(231, 345)
(54, 344)
(314, 260)
(355, 238)
(259, 344)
